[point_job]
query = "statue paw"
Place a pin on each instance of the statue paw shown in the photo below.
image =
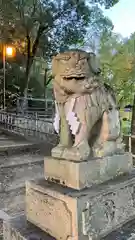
(108, 148)
(57, 151)
(80, 152)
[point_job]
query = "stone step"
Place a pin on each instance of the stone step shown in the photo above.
(14, 171)
(3, 137)
(15, 174)
(11, 148)
(18, 228)
(12, 203)
(12, 200)
(45, 145)
(6, 216)
(11, 144)
(20, 160)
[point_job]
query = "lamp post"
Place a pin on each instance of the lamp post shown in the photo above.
(4, 75)
(7, 51)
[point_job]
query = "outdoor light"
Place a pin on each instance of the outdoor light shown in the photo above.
(9, 51)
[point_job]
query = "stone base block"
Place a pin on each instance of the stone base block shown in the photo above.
(84, 174)
(93, 213)
(20, 229)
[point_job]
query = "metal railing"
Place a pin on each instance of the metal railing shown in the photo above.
(36, 106)
(33, 126)
(27, 126)
(46, 116)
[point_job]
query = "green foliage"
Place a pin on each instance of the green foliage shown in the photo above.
(42, 28)
(13, 84)
(54, 24)
(99, 26)
(106, 3)
(54, 21)
(117, 58)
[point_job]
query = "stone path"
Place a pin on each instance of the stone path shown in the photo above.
(20, 160)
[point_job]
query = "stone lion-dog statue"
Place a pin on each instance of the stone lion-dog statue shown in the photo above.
(87, 117)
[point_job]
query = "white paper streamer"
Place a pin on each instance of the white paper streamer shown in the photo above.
(72, 119)
(56, 122)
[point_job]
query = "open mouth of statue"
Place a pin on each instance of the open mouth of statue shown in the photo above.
(76, 77)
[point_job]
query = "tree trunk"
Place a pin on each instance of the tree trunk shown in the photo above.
(45, 81)
(133, 118)
(29, 62)
(27, 75)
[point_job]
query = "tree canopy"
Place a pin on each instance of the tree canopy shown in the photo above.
(117, 57)
(41, 28)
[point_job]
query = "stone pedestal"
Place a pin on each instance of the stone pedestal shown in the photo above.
(79, 200)
(91, 213)
(18, 228)
(79, 175)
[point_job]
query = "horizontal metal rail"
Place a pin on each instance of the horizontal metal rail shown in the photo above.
(28, 126)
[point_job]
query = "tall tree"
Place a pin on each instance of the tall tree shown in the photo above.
(43, 27)
(117, 62)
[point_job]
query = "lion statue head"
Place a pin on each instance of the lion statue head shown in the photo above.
(75, 64)
(74, 72)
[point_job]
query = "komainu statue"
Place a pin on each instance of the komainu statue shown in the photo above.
(87, 118)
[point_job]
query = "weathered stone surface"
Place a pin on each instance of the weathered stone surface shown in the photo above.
(91, 213)
(14, 171)
(14, 175)
(18, 228)
(53, 213)
(79, 175)
(13, 200)
(85, 109)
(19, 162)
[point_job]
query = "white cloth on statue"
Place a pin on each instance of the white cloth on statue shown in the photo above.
(72, 119)
(56, 122)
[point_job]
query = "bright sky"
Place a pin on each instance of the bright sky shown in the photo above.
(123, 17)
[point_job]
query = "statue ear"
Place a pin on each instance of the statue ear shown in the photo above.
(94, 63)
